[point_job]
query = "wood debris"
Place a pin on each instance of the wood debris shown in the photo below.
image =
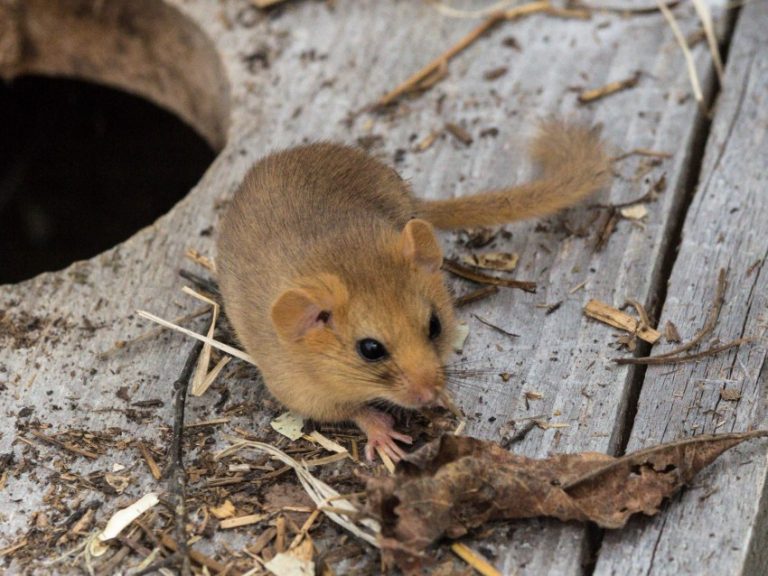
(634, 212)
(239, 521)
(586, 96)
(463, 272)
(678, 355)
(607, 314)
(475, 295)
(416, 82)
(459, 133)
(500, 261)
(670, 333)
(480, 564)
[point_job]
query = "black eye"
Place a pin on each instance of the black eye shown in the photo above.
(435, 328)
(371, 350)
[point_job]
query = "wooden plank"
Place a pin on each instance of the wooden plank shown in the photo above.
(719, 525)
(302, 74)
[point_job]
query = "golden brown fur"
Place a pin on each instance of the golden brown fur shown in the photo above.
(320, 249)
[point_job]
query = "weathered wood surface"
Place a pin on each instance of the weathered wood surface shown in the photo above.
(299, 76)
(719, 525)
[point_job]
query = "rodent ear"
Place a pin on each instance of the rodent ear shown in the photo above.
(298, 311)
(420, 244)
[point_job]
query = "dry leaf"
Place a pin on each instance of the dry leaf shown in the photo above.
(285, 564)
(503, 261)
(455, 484)
(289, 425)
(226, 510)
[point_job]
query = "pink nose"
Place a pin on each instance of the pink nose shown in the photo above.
(425, 396)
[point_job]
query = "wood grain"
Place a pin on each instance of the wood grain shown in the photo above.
(305, 73)
(719, 525)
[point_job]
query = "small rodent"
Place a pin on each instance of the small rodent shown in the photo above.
(330, 272)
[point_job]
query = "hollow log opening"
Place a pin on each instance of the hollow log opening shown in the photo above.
(111, 113)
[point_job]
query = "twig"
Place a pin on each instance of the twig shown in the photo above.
(475, 295)
(463, 272)
(661, 359)
(415, 81)
(497, 328)
(586, 96)
(175, 471)
(709, 325)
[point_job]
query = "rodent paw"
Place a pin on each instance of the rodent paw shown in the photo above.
(378, 428)
(385, 441)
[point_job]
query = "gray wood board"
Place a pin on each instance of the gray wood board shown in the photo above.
(314, 67)
(717, 526)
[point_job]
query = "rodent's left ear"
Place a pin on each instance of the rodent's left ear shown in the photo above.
(297, 311)
(419, 243)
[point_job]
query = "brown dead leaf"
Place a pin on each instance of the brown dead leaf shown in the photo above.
(455, 484)
(503, 261)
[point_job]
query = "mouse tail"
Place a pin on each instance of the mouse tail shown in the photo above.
(574, 165)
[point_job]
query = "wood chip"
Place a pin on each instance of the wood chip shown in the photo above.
(634, 212)
(670, 332)
(154, 469)
(239, 521)
(459, 133)
(225, 510)
(501, 261)
(325, 442)
(607, 314)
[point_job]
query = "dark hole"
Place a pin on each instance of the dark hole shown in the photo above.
(83, 167)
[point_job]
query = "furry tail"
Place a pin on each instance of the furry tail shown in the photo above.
(574, 165)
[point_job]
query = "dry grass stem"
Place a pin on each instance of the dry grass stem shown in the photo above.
(680, 39)
(215, 343)
(318, 491)
(474, 559)
(705, 15)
